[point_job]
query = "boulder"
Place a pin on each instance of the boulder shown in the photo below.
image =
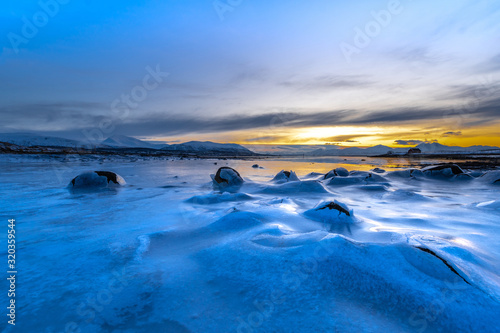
(443, 170)
(378, 170)
(407, 173)
(358, 177)
(331, 212)
(338, 172)
(491, 177)
(285, 176)
(227, 178)
(96, 180)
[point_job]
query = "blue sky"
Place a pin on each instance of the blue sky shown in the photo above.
(260, 71)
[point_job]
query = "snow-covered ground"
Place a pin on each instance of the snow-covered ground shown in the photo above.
(381, 251)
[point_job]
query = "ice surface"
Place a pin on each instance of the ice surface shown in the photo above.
(167, 253)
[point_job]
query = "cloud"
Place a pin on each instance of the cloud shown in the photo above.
(269, 138)
(457, 133)
(419, 57)
(329, 82)
(51, 116)
(69, 118)
(480, 92)
(345, 138)
(408, 142)
(490, 65)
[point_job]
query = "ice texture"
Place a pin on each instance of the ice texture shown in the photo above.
(169, 252)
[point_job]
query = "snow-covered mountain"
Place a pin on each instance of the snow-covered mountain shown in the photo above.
(207, 146)
(439, 148)
(213, 148)
(426, 148)
(122, 141)
(31, 140)
(288, 150)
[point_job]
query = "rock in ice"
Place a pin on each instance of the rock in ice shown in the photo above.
(227, 178)
(338, 172)
(285, 176)
(96, 180)
(331, 212)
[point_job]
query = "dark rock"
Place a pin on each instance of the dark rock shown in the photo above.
(111, 176)
(443, 260)
(455, 169)
(285, 176)
(97, 179)
(338, 172)
(227, 179)
(333, 205)
(231, 175)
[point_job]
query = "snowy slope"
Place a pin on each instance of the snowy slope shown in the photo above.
(439, 148)
(122, 141)
(207, 146)
(30, 140)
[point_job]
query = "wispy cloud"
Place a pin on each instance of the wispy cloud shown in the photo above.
(69, 117)
(408, 142)
(329, 82)
(457, 133)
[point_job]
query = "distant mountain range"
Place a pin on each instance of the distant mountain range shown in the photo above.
(120, 142)
(334, 150)
(31, 140)
(207, 148)
(425, 148)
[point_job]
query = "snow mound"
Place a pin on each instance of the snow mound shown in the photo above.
(443, 170)
(218, 198)
(378, 170)
(491, 177)
(403, 195)
(227, 179)
(331, 212)
(313, 175)
(338, 172)
(277, 201)
(285, 176)
(432, 264)
(373, 188)
(344, 181)
(291, 240)
(236, 221)
(295, 187)
(407, 173)
(358, 177)
(96, 180)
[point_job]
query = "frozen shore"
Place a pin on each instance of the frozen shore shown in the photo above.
(309, 248)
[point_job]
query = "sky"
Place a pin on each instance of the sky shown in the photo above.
(253, 72)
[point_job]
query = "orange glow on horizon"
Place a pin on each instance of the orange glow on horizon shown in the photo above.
(351, 136)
